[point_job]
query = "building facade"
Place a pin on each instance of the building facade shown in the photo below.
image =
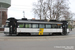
(4, 5)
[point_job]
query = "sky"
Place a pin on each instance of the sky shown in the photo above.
(18, 6)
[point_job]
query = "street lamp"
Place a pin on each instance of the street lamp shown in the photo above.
(24, 14)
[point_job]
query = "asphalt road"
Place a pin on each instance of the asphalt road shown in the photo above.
(38, 42)
(66, 44)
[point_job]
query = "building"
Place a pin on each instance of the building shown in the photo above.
(4, 5)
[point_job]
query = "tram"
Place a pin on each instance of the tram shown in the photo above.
(35, 27)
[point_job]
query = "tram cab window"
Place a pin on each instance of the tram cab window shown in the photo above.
(21, 25)
(34, 25)
(41, 25)
(7, 25)
(48, 26)
(27, 25)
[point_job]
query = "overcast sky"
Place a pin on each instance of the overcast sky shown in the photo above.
(18, 6)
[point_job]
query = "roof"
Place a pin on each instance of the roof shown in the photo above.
(39, 22)
(25, 20)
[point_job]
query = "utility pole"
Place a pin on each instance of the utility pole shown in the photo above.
(24, 14)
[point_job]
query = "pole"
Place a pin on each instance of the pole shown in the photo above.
(1, 15)
(24, 14)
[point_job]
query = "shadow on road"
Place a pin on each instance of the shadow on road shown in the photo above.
(23, 35)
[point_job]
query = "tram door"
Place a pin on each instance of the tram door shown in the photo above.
(64, 26)
(12, 27)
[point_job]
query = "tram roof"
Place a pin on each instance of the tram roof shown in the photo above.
(38, 21)
(35, 21)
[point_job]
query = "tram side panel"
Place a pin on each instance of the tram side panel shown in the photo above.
(6, 30)
(28, 30)
(34, 31)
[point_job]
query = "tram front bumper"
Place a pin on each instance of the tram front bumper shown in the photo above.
(6, 32)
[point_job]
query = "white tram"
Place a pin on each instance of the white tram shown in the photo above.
(35, 27)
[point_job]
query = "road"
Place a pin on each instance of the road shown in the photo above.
(38, 42)
(37, 45)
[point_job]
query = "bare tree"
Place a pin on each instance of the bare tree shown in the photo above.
(52, 9)
(49, 4)
(61, 9)
(43, 9)
(38, 9)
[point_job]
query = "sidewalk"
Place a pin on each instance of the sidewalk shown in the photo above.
(1, 31)
(73, 29)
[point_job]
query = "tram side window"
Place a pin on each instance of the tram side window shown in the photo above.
(27, 25)
(48, 26)
(34, 25)
(59, 25)
(21, 25)
(41, 26)
(54, 26)
(7, 25)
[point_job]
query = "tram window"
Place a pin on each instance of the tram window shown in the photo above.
(21, 25)
(54, 26)
(48, 26)
(34, 25)
(7, 25)
(27, 25)
(41, 25)
(59, 25)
